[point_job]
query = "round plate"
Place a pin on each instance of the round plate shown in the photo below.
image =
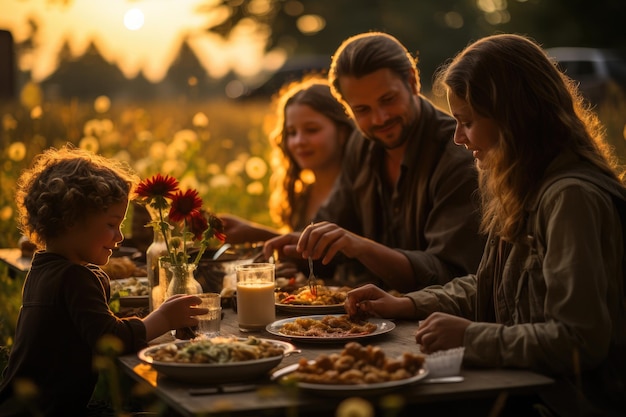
(350, 390)
(382, 327)
(306, 309)
(207, 373)
(310, 309)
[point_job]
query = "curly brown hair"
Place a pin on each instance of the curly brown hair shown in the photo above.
(66, 185)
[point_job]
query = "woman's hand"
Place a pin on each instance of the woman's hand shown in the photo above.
(370, 300)
(441, 331)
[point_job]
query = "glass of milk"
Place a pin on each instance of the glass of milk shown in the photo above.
(255, 296)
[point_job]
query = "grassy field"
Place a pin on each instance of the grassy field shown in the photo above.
(218, 147)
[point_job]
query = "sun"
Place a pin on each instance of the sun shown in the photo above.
(133, 19)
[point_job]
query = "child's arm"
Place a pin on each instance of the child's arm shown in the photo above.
(176, 312)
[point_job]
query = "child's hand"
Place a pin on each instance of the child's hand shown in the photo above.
(176, 312)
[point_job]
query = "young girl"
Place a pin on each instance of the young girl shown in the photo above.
(310, 135)
(549, 292)
(72, 204)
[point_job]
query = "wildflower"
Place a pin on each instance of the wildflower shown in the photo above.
(184, 210)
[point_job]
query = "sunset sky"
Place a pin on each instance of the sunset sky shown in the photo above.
(147, 42)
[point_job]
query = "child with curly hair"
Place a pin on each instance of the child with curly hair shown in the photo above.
(72, 204)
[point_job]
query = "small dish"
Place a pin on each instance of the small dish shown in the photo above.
(382, 327)
(354, 389)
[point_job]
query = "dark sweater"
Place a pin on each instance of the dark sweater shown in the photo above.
(64, 314)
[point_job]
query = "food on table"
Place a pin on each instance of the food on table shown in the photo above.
(303, 296)
(123, 267)
(357, 364)
(130, 287)
(27, 247)
(218, 350)
(327, 326)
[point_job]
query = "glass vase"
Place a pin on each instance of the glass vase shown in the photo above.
(154, 252)
(182, 280)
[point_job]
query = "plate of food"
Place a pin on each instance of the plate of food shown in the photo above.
(357, 370)
(301, 301)
(132, 292)
(329, 328)
(217, 360)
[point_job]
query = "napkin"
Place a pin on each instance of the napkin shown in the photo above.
(445, 362)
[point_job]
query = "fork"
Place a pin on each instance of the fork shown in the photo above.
(312, 280)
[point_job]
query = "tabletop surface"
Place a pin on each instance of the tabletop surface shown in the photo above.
(189, 400)
(13, 257)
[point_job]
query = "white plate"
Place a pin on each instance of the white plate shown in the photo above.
(207, 373)
(382, 327)
(310, 309)
(130, 300)
(307, 309)
(354, 389)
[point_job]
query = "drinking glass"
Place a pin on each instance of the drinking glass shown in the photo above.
(209, 324)
(255, 296)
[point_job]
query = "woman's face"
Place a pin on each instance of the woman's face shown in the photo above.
(312, 139)
(477, 133)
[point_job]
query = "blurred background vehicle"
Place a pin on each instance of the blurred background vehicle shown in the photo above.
(601, 72)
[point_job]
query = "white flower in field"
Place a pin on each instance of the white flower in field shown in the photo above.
(6, 213)
(255, 188)
(174, 167)
(157, 150)
(107, 125)
(234, 168)
(92, 127)
(256, 168)
(102, 104)
(200, 120)
(213, 169)
(123, 155)
(227, 143)
(176, 148)
(144, 136)
(219, 181)
(189, 181)
(354, 407)
(8, 122)
(185, 135)
(36, 113)
(17, 151)
(89, 143)
(142, 166)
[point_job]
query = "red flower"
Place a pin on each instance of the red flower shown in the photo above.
(217, 227)
(184, 205)
(198, 224)
(185, 215)
(156, 190)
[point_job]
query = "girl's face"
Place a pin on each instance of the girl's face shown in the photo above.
(312, 139)
(93, 239)
(477, 133)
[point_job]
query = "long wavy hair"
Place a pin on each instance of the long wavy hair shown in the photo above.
(540, 113)
(287, 182)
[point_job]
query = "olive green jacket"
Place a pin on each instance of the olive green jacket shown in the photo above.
(556, 302)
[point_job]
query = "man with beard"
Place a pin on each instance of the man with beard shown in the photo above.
(405, 214)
